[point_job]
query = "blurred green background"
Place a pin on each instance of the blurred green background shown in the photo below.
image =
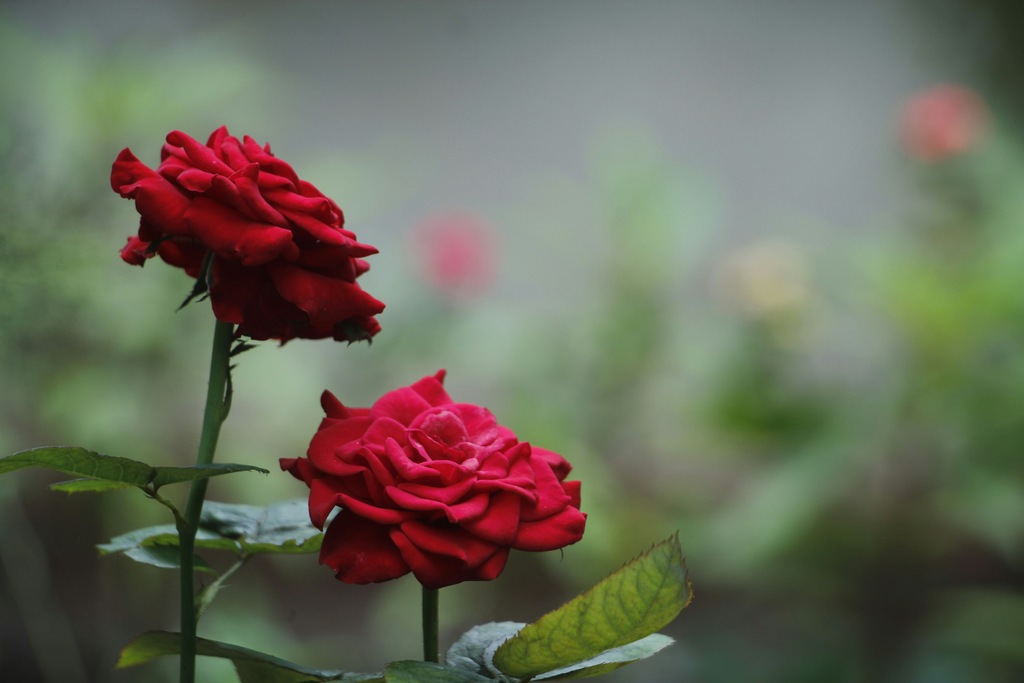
(741, 265)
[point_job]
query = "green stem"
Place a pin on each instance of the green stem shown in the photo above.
(430, 647)
(213, 416)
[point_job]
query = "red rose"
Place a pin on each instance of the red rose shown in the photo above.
(942, 121)
(432, 487)
(456, 254)
(282, 264)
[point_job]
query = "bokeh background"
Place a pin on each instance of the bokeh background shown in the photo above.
(755, 268)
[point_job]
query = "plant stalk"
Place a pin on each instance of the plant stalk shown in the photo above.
(213, 417)
(430, 620)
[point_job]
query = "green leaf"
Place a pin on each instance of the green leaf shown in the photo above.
(241, 529)
(610, 660)
(158, 546)
(89, 485)
(277, 528)
(410, 671)
(166, 557)
(177, 475)
(252, 666)
(81, 462)
(468, 651)
(165, 535)
(638, 599)
(138, 538)
(108, 468)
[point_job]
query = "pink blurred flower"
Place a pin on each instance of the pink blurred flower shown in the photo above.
(941, 121)
(456, 254)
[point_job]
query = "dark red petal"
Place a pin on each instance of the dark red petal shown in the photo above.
(136, 252)
(125, 170)
(234, 237)
(499, 523)
(557, 531)
(183, 254)
(462, 558)
(230, 150)
(195, 180)
(425, 497)
(317, 207)
(217, 137)
(407, 465)
(550, 494)
(336, 409)
(326, 300)
(322, 495)
(492, 567)
(403, 405)
(440, 425)
(268, 162)
(572, 488)
(432, 389)
(158, 201)
(329, 259)
(479, 422)
(200, 155)
(384, 428)
(257, 203)
(559, 465)
(325, 445)
(360, 551)
(374, 513)
(470, 508)
(234, 288)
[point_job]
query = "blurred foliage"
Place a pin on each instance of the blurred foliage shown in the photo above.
(833, 418)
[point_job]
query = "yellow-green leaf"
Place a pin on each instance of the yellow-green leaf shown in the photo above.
(634, 602)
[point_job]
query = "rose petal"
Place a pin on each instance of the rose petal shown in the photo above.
(136, 252)
(408, 468)
(195, 180)
(472, 561)
(559, 465)
(199, 154)
(470, 508)
(421, 497)
(499, 522)
(384, 428)
(323, 498)
(360, 551)
(158, 201)
(402, 405)
(234, 237)
(374, 513)
(559, 530)
(258, 206)
(183, 254)
(432, 389)
(324, 299)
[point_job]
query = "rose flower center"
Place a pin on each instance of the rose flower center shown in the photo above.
(448, 429)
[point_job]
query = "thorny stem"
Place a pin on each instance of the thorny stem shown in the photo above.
(213, 416)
